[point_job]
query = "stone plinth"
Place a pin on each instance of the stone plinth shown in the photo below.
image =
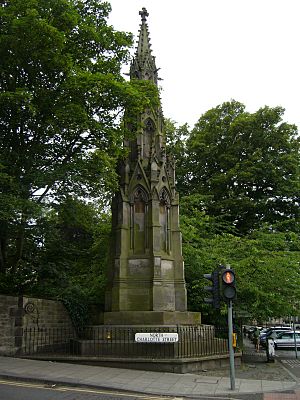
(152, 318)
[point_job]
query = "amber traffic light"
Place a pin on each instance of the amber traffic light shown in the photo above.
(228, 284)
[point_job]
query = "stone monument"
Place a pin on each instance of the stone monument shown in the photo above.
(146, 279)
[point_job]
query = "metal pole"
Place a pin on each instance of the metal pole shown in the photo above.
(295, 342)
(231, 352)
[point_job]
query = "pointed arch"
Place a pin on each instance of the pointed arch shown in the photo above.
(148, 137)
(164, 196)
(164, 219)
(139, 220)
(139, 192)
(149, 125)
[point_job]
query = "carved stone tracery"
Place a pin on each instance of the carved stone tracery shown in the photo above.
(147, 265)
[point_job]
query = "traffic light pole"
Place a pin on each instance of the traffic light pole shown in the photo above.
(231, 352)
(223, 287)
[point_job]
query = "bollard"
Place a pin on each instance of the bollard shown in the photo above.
(270, 350)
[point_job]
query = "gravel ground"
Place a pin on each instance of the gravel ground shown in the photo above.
(254, 366)
(256, 370)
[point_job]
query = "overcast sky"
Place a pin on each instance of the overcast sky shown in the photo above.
(211, 51)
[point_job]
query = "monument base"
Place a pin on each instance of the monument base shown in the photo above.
(152, 318)
(173, 348)
(178, 366)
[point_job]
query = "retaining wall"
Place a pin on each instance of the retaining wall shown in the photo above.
(16, 313)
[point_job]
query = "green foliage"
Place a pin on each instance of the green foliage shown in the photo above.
(238, 178)
(176, 142)
(75, 251)
(247, 163)
(266, 263)
(68, 260)
(76, 302)
(62, 100)
(62, 97)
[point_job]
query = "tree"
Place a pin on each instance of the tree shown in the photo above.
(176, 143)
(238, 180)
(74, 255)
(61, 100)
(266, 263)
(66, 258)
(248, 165)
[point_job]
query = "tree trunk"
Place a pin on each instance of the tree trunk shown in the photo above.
(3, 245)
(2, 258)
(20, 240)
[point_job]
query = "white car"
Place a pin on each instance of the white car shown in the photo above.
(287, 339)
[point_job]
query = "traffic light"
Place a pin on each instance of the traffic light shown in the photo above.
(228, 284)
(214, 289)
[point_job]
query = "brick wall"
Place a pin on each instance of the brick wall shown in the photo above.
(17, 313)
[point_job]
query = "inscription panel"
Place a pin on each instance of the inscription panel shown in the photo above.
(167, 270)
(138, 267)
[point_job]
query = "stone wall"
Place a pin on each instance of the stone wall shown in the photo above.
(18, 313)
(44, 313)
(8, 307)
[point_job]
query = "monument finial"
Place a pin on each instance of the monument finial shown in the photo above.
(143, 64)
(144, 14)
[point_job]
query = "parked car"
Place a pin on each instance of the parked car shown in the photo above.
(287, 340)
(271, 333)
(266, 331)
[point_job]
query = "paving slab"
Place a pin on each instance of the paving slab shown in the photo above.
(150, 382)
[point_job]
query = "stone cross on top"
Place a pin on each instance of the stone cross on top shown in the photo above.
(144, 14)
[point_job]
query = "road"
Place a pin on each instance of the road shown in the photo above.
(12, 390)
(289, 361)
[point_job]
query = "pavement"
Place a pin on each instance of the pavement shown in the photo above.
(147, 382)
(255, 375)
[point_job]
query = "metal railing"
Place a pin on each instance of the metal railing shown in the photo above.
(37, 340)
(119, 341)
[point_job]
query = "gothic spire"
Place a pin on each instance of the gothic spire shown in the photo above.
(143, 63)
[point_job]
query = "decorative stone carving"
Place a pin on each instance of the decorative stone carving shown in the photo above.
(148, 272)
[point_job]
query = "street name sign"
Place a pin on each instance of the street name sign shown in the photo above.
(156, 337)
